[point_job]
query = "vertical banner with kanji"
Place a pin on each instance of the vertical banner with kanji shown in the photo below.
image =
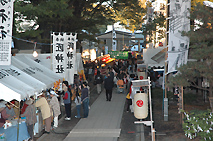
(178, 44)
(114, 42)
(6, 21)
(64, 55)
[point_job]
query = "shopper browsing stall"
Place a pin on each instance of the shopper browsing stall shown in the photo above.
(30, 114)
(43, 105)
(3, 114)
(67, 99)
(54, 104)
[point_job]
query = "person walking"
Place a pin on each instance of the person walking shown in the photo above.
(67, 100)
(108, 85)
(128, 98)
(99, 81)
(43, 105)
(30, 114)
(54, 104)
(111, 73)
(85, 99)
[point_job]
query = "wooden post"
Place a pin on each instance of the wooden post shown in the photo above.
(153, 134)
(139, 46)
(18, 121)
(182, 104)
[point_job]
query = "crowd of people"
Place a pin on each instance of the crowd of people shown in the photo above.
(117, 74)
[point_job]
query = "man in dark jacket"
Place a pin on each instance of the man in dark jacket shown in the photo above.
(99, 81)
(108, 85)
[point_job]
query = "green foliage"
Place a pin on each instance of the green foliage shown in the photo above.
(129, 13)
(198, 124)
(154, 26)
(76, 16)
(189, 98)
(194, 3)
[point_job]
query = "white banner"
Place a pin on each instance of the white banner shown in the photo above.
(178, 45)
(114, 42)
(6, 24)
(64, 55)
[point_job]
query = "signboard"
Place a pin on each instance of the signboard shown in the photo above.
(64, 55)
(119, 54)
(114, 42)
(6, 13)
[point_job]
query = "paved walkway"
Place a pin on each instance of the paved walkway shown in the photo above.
(103, 122)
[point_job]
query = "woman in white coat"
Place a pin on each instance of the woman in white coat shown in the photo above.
(54, 104)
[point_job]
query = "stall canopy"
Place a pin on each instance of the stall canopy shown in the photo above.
(35, 70)
(43, 59)
(24, 77)
(106, 58)
(16, 85)
(43, 69)
(8, 94)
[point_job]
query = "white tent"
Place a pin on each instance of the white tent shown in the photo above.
(8, 94)
(24, 77)
(18, 86)
(43, 59)
(39, 67)
(35, 72)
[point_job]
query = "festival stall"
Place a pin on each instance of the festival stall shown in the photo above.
(17, 129)
(18, 81)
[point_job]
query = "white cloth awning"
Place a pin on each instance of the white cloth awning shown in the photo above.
(8, 94)
(24, 77)
(43, 59)
(35, 70)
(18, 86)
(42, 68)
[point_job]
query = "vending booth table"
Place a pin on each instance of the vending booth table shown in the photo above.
(10, 133)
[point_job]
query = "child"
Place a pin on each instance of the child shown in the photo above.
(78, 104)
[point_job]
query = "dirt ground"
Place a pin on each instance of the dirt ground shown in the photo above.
(172, 129)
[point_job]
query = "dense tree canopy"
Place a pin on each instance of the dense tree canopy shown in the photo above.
(85, 17)
(131, 14)
(201, 49)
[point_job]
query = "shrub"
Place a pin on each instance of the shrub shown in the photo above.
(198, 124)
